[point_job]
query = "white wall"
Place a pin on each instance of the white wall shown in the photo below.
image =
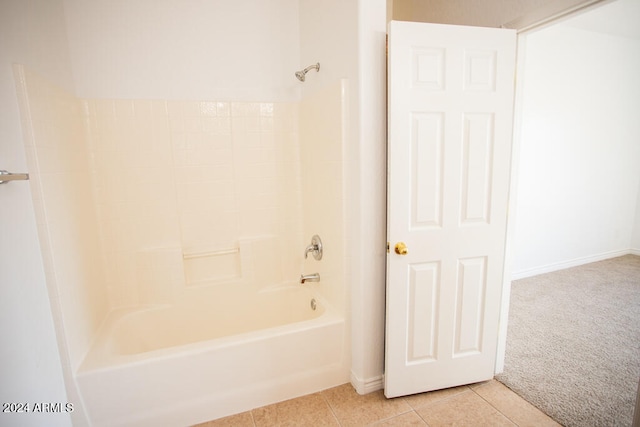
(193, 49)
(579, 171)
(368, 225)
(328, 34)
(32, 33)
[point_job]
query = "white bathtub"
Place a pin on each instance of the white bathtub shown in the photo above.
(215, 353)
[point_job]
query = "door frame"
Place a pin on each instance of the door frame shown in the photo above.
(509, 252)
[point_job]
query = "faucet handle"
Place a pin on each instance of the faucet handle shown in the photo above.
(315, 248)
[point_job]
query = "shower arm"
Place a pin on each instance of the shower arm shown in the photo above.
(311, 67)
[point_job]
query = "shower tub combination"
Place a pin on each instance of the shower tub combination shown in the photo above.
(209, 356)
(216, 349)
(217, 332)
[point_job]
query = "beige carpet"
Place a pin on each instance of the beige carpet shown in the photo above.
(573, 342)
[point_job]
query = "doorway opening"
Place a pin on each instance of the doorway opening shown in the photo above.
(577, 177)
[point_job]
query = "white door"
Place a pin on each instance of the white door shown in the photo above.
(449, 152)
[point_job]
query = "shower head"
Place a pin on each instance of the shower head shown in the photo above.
(301, 74)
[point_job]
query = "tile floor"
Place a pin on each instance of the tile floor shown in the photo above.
(484, 404)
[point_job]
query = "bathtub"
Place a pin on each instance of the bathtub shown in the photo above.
(214, 353)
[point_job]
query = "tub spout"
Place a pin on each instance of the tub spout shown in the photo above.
(315, 277)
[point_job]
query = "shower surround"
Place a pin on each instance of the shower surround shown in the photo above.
(141, 202)
(199, 176)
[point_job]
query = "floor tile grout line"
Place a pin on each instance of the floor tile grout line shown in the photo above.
(444, 399)
(410, 409)
(494, 407)
(394, 416)
(422, 418)
(530, 403)
(335, 416)
(430, 404)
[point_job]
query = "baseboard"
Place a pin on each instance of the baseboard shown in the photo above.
(366, 386)
(571, 263)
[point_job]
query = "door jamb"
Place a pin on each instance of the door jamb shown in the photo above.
(511, 209)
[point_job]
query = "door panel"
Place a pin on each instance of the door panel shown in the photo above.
(449, 150)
